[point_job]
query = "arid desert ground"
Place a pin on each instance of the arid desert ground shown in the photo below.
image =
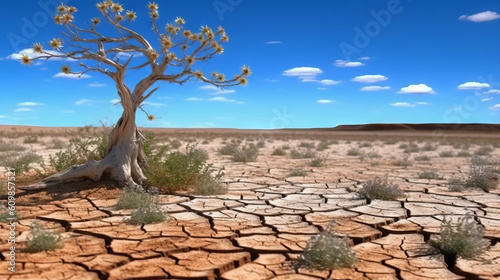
(273, 206)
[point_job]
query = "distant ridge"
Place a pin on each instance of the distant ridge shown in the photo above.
(418, 127)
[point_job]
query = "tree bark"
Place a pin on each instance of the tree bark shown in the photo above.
(123, 162)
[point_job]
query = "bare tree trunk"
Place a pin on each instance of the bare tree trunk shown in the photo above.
(124, 160)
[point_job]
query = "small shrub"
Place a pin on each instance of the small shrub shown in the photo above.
(446, 154)
(297, 173)
(410, 150)
(323, 145)
(483, 151)
(480, 177)
(403, 146)
(4, 213)
(428, 174)
(463, 153)
(379, 188)
(373, 155)
(365, 145)
(206, 184)
(41, 239)
(150, 214)
(133, 198)
(261, 144)
(285, 147)
(279, 152)
(326, 251)
(175, 144)
(21, 163)
(295, 154)
(353, 152)
(463, 239)
(404, 161)
(205, 142)
(56, 143)
(317, 162)
(30, 139)
(422, 158)
(429, 147)
(246, 154)
(307, 145)
(456, 185)
(228, 149)
(8, 147)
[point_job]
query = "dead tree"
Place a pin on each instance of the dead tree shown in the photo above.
(179, 50)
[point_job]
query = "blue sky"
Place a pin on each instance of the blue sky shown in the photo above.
(315, 64)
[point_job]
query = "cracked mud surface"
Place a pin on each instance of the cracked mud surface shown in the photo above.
(264, 222)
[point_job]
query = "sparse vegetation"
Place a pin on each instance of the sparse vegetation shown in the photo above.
(317, 162)
(461, 239)
(483, 151)
(297, 173)
(446, 154)
(353, 152)
(246, 154)
(8, 147)
(228, 149)
(428, 174)
(422, 158)
(327, 251)
(296, 154)
(21, 163)
(133, 198)
(463, 153)
(307, 145)
(404, 161)
(279, 152)
(149, 214)
(379, 188)
(41, 239)
(207, 184)
(30, 139)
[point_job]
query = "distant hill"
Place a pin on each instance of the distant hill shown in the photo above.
(477, 127)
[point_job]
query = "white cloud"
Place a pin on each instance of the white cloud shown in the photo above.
(365, 58)
(29, 104)
(495, 107)
(194, 99)
(345, 63)
(409, 105)
(329, 82)
(71, 76)
(303, 72)
(322, 88)
(375, 88)
(115, 101)
(23, 110)
(273, 42)
(417, 89)
(126, 55)
(154, 104)
(97, 84)
(216, 90)
(402, 104)
(480, 17)
(492, 91)
(324, 101)
(83, 102)
(369, 78)
(486, 99)
(473, 85)
(31, 55)
(3, 116)
(224, 99)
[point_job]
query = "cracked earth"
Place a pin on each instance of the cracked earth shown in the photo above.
(264, 222)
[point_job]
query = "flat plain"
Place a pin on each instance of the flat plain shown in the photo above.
(273, 206)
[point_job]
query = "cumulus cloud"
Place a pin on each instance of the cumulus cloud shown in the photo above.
(486, 99)
(473, 85)
(365, 58)
(23, 110)
(495, 107)
(224, 99)
(83, 102)
(408, 105)
(303, 72)
(127, 55)
(369, 78)
(417, 89)
(375, 88)
(346, 63)
(71, 76)
(154, 104)
(31, 55)
(29, 104)
(273, 42)
(194, 99)
(329, 82)
(97, 84)
(480, 17)
(3, 116)
(115, 101)
(492, 91)
(216, 90)
(324, 101)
